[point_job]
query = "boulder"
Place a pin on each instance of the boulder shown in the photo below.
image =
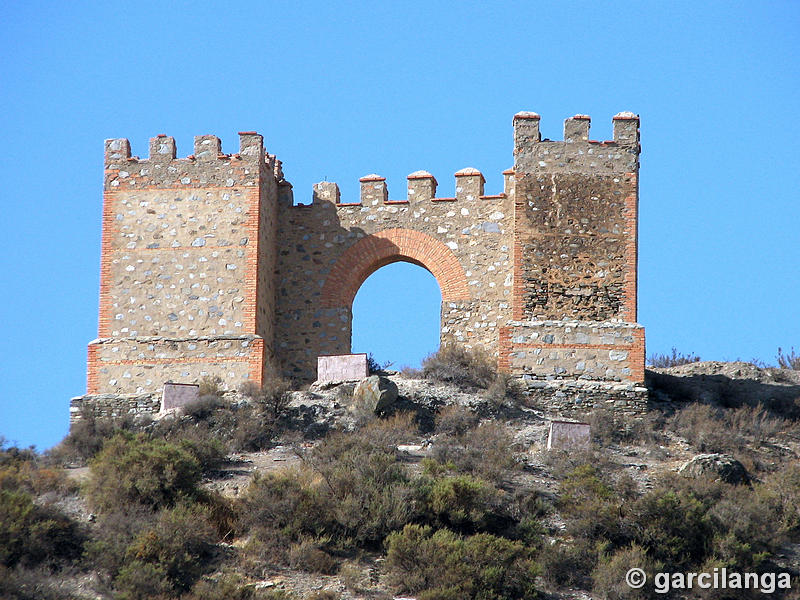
(375, 392)
(719, 467)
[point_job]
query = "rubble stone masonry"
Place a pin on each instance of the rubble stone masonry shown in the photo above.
(208, 268)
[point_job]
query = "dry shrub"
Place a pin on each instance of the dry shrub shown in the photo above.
(273, 395)
(229, 586)
(456, 420)
(210, 386)
(21, 470)
(712, 429)
(485, 451)
(608, 577)
(704, 427)
(354, 578)
(562, 463)
(790, 360)
(611, 427)
(39, 583)
(443, 565)
(756, 422)
(459, 366)
(87, 436)
(675, 359)
(203, 407)
(308, 556)
(504, 387)
(323, 595)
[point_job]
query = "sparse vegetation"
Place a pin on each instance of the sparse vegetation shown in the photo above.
(459, 366)
(439, 564)
(455, 515)
(790, 360)
(675, 359)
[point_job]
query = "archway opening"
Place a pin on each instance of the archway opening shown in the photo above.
(396, 315)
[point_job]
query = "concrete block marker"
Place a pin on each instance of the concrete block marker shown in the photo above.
(565, 435)
(178, 395)
(342, 367)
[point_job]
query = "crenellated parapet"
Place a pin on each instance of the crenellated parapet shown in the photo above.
(207, 166)
(208, 269)
(421, 188)
(576, 152)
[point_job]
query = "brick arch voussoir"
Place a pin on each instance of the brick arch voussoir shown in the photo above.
(371, 253)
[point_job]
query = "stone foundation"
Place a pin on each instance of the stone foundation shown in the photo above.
(585, 350)
(575, 399)
(114, 406)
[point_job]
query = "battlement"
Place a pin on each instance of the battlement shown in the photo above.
(576, 152)
(207, 166)
(421, 188)
(208, 269)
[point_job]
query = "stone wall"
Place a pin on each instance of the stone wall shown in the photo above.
(577, 398)
(184, 242)
(592, 350)
(575, 254)
(113, 406)
(143, 364)
(330, 247)
(209, 269)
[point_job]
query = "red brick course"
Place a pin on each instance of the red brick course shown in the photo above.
(392, 245)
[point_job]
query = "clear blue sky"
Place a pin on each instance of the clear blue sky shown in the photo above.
(340, 90)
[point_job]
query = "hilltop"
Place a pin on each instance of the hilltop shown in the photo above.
(449, 492)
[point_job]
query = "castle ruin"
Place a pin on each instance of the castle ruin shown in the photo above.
(208, 268)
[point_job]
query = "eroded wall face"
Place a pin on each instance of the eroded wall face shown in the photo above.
(573, 232)
(575, 245)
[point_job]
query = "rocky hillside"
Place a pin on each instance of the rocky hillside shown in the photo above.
(413, 487)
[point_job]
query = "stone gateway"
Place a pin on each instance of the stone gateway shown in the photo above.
(208, 268)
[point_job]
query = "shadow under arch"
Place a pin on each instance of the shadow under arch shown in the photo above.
(388, 246)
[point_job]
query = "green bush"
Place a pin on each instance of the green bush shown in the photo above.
(34, 535)
(568, 564)
(132, 469)
(175, 550)
(366, 489)
(442, 564)
(608, 577)
(463, 502)
(593, 509)
(351, 489)
(673, 527)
